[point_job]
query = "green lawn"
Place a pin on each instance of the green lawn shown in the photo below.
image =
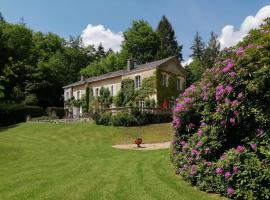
(76, 161)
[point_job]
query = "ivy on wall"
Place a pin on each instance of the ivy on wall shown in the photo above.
(147, 88)
(166, 93)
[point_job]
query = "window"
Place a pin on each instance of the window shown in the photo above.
(111, 90)
(97, 92)
(137, 81)
(165, 80)
(78, 94)
(141, 104)
(178, 84)
(67, 95)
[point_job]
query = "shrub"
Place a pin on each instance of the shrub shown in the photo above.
(221, 141)
(15, 113)
(102, 118)
(31, 100)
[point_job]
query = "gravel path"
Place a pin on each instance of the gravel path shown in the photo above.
(153, 146)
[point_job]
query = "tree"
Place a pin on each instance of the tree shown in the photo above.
(141, 42)
(168, 43)
(194, 71)
(100, 52)
(105, 97)
(198, 47)
(211, 51)
(1, 18)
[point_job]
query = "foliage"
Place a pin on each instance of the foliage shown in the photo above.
(16, 113)
(111, 62)
(87, 99)
(148, 88)
(104, 98)
(221, 123)
(166, 93)
(141, 42)
(130, 117)
(31, 100)
(126, 95)
(195, 71)
(197, 47)
(211, 51)
(168, 43)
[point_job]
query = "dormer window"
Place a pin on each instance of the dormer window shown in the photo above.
(137, 81)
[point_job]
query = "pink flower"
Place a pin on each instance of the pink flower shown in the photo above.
(219, 170)
(227, 101)
(235, 169)
(232, 74)
(250, 46)
(176, 122)
(223, 122)
(232, 120)
(200, 132)
(186, 100)
(254, 147)
(206, 150)
(203, 124)
(259, 46)
(208, 164)
(235, 103)
(230, 191)
(236, 112)
(240, 51)
(229, 88)
(240, 95)
(199, 143)
(228, 175)
(193, 170)
(240, 149)
(260, 131)
(194, 151)
(191, 125)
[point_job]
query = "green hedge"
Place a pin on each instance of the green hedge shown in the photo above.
(133, 118)
(16, 113)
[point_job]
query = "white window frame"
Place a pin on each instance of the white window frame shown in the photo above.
(137, 82)
(165, 79)
(178, 84)
(67, 95)
(97, 92)
(78, 95)
(112, 88)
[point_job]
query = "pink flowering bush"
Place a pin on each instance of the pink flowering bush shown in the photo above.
(221, 123)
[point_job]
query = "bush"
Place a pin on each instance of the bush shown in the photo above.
(221, 141)
(131, 117)
(15, 113)
(57, 112)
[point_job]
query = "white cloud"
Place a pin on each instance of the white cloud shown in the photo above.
(230, 37)
(95, 35)
(187, 62)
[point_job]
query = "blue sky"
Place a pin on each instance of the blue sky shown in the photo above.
(71, 17)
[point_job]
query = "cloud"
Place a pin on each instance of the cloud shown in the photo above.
(187, 62)
(230, 37)
(95, 35)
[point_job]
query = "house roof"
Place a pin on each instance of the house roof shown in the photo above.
(137, 68)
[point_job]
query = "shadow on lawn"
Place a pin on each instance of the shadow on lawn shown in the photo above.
(4, 128)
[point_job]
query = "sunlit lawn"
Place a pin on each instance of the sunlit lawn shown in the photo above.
(76, 161)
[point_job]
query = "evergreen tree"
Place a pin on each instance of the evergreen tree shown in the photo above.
(211, 51)
(100, 52)
(168, 43)
(1, 17)
(198, 47)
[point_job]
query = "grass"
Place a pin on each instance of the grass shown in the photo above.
(76, 161)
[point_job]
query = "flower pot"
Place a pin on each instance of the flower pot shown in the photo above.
(138, 141)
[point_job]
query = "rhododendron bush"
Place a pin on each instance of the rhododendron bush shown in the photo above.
(221, 142)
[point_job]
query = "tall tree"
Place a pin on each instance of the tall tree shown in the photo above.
(211, 51)
(168, 43)
(198, 47)
(100, 52)
(141, 42)
(1, 17)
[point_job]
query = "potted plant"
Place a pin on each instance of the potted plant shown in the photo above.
(138, 141)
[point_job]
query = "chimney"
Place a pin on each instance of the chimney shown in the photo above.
(130, 64)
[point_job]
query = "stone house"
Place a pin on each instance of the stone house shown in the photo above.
(169, 73)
